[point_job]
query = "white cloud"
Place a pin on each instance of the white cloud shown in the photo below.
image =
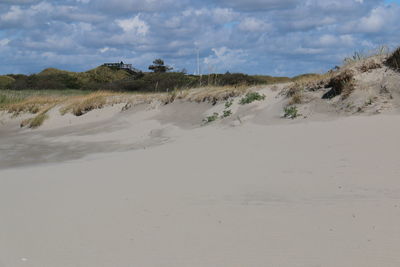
(135, 25)
(104, 49)
(4, 42)
(223, 15)
(254, 25)
(381, 19)
(225, 58)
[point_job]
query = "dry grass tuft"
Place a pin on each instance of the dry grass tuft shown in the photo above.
(341, 84)
(35, 122)
(309, 82)
(38, 120)
(214, 94)
(394, 60)
(369, 65)
(296, 98)
(80, 105)
(33, 105)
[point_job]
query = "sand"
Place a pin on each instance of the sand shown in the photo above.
(147, 188)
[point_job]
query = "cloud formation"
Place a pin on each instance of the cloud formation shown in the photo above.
(278, 37)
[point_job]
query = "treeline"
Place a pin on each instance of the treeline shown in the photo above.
(104, 78)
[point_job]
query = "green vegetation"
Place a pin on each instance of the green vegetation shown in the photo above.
(158, 66)
(266, 79)
(106, 78)
(211, 118)
(152, 82)
(6, 81)
(307, 76)
(226, 113)
(291, 112)
(109, 78)
(251, 97)
(228, 103)
(10, 97)
(234, 79)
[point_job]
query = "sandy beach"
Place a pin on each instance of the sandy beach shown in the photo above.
(145, 188)
(218, 133)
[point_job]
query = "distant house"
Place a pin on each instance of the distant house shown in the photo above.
(122, 66)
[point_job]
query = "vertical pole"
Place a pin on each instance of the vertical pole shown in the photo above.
(198, 61)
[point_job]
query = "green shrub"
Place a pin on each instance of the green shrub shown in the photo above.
(152, 82)
(228, 103)
(226, 113)
(211, 118)
(43, 82)
(3, 100)
(251, 97)
(6, 81)
(230, 79)
(291, 112)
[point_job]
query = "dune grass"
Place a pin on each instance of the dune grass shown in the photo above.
(363, 55)
(213, 94)
(82, 104)
(394, 60)
(79, 103)
(39, 119)
(32, 105)
(35, 122)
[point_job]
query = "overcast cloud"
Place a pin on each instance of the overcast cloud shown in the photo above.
(277, 37)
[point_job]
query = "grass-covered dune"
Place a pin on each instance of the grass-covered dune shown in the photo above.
(105, 78)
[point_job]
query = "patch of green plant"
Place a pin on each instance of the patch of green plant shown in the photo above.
(6, 81)
(211, 118)
(291, 112)
(3, 99)
(251, 97)
(226, 113)
(228, 103)
(6, 99)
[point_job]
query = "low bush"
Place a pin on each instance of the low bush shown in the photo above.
(228, 103)
(226, 113)
(290, 112)
(251, 97)
(6, 81)
(152, 82)
(211, 118)
(231, 79)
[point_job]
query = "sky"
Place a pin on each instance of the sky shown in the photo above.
(274, 37)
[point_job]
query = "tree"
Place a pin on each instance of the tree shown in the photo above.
(158, 66)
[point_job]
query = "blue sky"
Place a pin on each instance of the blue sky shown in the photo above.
(276, 37)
